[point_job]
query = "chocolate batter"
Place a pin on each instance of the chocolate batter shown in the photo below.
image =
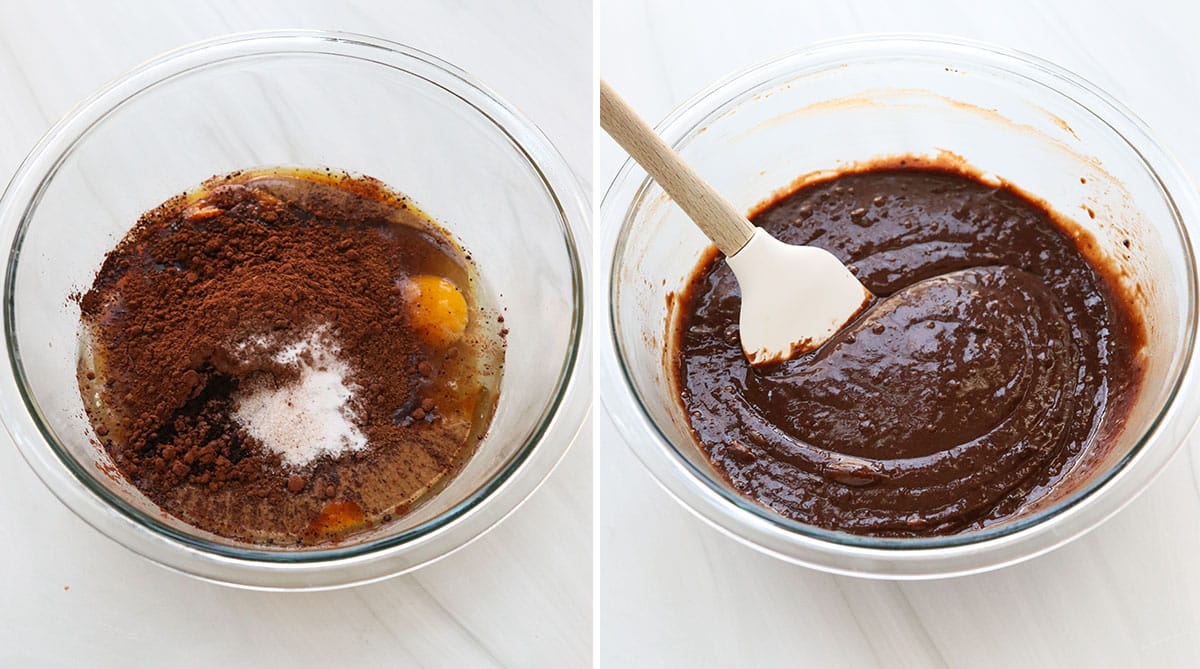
(996, 354)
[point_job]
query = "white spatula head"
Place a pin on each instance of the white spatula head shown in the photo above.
(793, 297)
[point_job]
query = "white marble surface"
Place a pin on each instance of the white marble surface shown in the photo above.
(520, 596)
(673, 592)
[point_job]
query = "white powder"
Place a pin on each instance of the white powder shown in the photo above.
(309, 417)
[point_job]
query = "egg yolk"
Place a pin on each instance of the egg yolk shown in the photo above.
(436, 308)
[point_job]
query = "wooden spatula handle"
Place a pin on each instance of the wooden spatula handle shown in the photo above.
(723, 224)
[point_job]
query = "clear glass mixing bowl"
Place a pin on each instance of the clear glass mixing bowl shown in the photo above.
(310, 99)
(1027, 121)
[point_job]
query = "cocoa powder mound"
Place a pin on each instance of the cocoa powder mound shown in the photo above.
(191, 310)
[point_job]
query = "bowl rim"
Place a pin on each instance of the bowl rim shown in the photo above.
(382, 557)
(839, 552)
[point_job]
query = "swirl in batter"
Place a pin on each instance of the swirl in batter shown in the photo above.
(996, 356)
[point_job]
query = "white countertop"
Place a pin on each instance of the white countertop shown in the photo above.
(673, 592)
(520, 596)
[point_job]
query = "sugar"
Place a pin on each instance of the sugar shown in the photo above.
(309, 417)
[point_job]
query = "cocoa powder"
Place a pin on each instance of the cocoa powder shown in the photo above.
(191, 310)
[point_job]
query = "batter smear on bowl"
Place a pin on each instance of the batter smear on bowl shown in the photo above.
(1002, 349)
(288, 356)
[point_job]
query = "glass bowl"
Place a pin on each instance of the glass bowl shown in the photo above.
(835, 104)
(309, 99)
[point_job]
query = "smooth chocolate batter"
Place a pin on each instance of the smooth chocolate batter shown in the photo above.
(996, 354)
